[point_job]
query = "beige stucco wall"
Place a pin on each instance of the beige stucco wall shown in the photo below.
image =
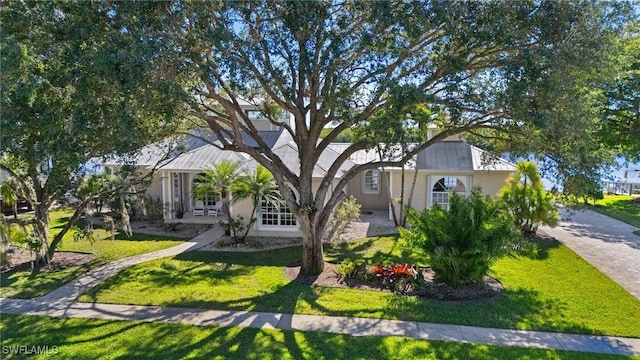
(369, 201)
(491, 183)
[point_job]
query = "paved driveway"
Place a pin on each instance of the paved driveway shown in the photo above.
(608, 244)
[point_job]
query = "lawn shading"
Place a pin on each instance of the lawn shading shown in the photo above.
(22, 284)
(73, 338)
(619, 207)
(555, 290)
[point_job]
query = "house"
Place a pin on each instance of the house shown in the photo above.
(443, 168)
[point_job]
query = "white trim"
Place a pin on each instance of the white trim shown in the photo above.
(465, 181)
(390, 195)
(278, 227)
(363, 184)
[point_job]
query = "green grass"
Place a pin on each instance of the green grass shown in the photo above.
(555, 291)
(22, 284)
(107, 339)
(619, 207)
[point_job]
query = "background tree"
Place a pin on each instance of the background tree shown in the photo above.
(487, 65)
(585, 120)
(581, 186)
(11, 192)
(620, 104)
(74, 89)
(527, 200)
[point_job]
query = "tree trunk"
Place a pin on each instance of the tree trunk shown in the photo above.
(413, 188)
(41, 227)
(312, 252)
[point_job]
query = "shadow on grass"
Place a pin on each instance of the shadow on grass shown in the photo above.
(513, 309)
(542, 246)
(381, 250)
(25, 285)
(90, 339)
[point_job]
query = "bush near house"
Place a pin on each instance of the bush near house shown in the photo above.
(465, 240)
(527, 200)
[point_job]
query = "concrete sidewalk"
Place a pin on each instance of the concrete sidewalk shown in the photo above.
(70, 291)
(329, 324)
(606, 243)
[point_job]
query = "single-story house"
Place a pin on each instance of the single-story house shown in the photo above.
(445, 167)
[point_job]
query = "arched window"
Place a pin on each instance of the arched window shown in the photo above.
(276, 214)
(443, 188)
(209, 199)
(371, 182)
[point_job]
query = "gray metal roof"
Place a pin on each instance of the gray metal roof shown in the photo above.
(201, 158)
(358, 157)
(289, 155)
(459, 156)
(150, 155)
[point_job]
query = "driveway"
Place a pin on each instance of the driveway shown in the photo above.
(608, 244)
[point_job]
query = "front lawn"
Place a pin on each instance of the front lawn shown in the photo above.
(555, 291)
(106, 339)
(20, 284)
(619, 207)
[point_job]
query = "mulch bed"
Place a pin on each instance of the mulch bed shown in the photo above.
(433, 289)
(20, 260)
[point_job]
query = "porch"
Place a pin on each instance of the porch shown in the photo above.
(189, 218)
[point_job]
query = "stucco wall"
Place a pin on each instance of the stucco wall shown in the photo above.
(491, 182)
(369, 201)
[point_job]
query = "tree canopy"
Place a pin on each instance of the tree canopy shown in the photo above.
(500, 65)
(73, 88)
(498, 68)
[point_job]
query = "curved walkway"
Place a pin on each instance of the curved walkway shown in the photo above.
(70, 291)
(62, 303)
(608, 244)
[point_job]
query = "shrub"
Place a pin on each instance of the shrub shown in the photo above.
(349, 270)
(527, 200)
(346, 212)
(464, 241)
(398, 278)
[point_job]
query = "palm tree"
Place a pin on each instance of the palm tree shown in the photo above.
(259, 186)
(220, 179)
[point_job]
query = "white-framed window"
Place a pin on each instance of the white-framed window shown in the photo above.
(443, 188)
(176, 181)
(254, 114)
(276, 215)
(371, 182)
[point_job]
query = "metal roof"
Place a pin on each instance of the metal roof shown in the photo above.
(459, 156)
(201, 158)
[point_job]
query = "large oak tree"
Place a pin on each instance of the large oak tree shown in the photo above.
(78, 81)
(486, 65)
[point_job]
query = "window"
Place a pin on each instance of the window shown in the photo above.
(277, 214)
(443, 188)
(254, 114)
(177, 187)
(371, 182)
